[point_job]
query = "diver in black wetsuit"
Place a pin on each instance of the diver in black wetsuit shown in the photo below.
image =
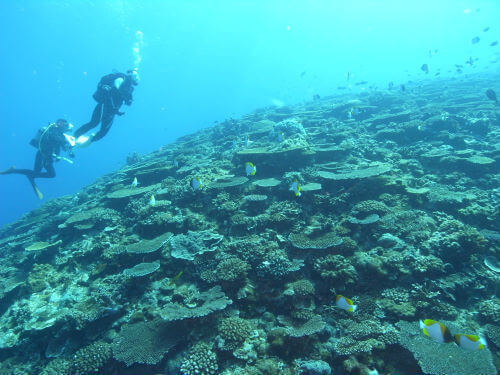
(112, 91)
(49, 140)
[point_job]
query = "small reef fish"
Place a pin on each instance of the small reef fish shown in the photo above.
(175, 278)
(492, 95)
(295, 187)
(435, 330)
(470, 61)
(425, 68)
(134, 183)
(250, 169)
(196, 183)
(352, 112)
(470, 342)
(475, 40)
(152, 201)
(281, 136)
(345, 303)
(493, 44)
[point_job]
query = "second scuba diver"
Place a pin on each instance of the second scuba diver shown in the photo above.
(112, 91)
(49, 141)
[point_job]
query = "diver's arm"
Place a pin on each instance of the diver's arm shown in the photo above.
(118, 82)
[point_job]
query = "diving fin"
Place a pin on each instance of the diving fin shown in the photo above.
(38, 192)
(84, 141)
(35, 188)
(9, 171)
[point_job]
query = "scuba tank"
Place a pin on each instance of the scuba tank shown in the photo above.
(36, 141)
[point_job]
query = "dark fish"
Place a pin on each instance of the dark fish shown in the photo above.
(438, 73)
(390, 85)
(361, 83)
(403, 88)
(316, 97)
(302, 74)
(425, 68)
(475, 40)
(486, 29)
(459, 70)
(470, 61)
(341, 87)
(491, 95)
(458, 66)
(492, 44)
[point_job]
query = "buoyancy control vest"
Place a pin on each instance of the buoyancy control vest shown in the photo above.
(108, 80)
(36, 141)
(45, 140)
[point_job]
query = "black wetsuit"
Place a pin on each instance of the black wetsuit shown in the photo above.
(49, 141)
(109, 100)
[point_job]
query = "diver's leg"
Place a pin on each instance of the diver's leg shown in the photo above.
(94, 121)
(13, 170)
(41, 162)
(48, 164)
(37, 168)
(27, 172)
(106, 122)
(9, 171)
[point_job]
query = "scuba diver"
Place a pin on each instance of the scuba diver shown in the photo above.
(49, 140)
(112, 91)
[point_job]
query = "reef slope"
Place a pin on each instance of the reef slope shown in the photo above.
(398, 209)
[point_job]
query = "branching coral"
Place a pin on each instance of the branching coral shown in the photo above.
(200, 360)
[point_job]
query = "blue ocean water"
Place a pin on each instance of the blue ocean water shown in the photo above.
(203, 61)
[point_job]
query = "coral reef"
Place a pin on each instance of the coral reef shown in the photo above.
(436, 359)
(398, 211)
(200, 360)
(233, 332)
(144, 342)
(86, 361)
